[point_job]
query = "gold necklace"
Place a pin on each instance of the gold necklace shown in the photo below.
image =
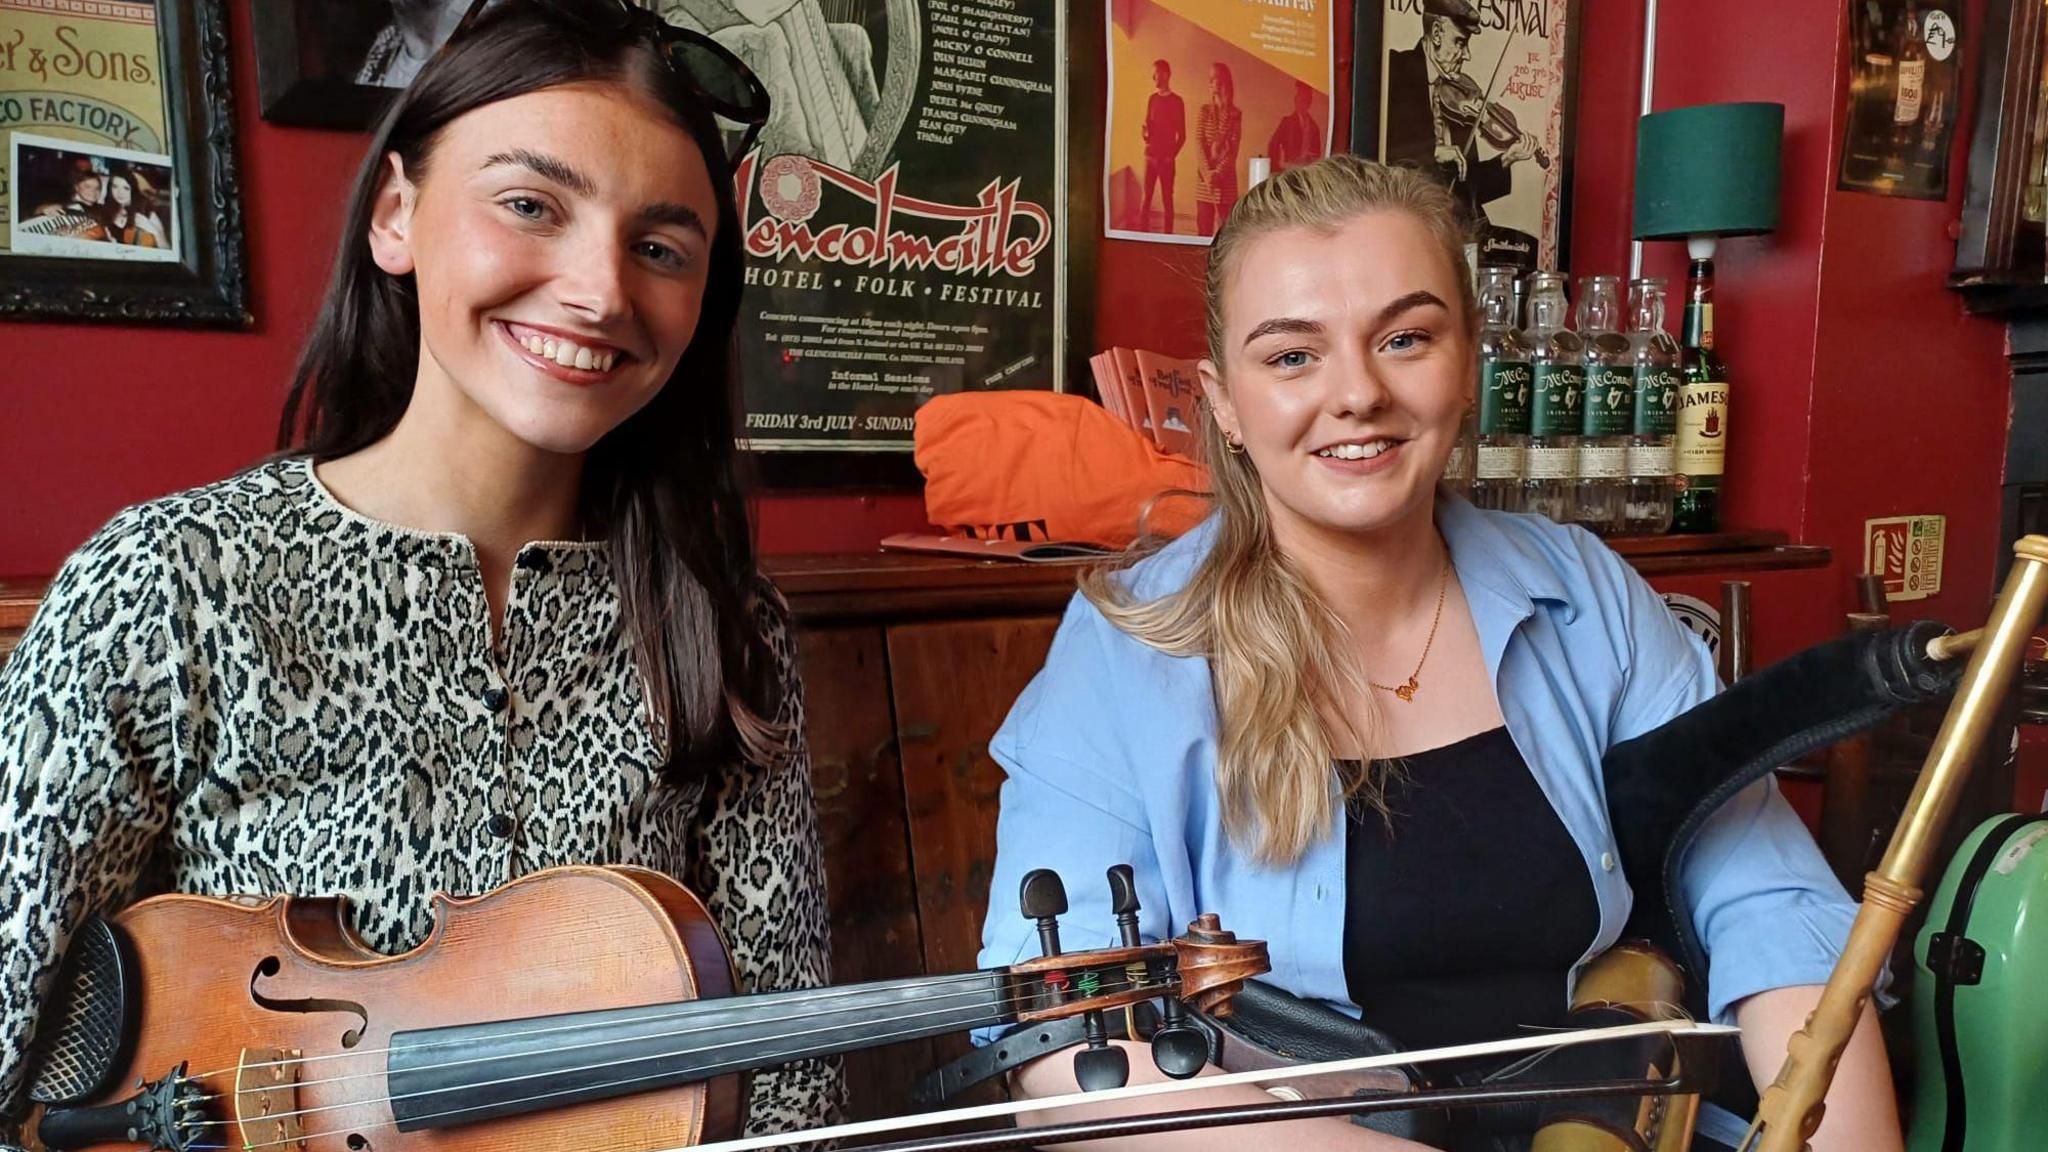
(1406, 692)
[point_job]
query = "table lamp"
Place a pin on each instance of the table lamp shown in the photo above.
(1708, 171)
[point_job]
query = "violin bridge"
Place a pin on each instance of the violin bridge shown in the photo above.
(267, 1098)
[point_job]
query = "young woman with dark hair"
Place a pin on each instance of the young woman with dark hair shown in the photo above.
(494, 607)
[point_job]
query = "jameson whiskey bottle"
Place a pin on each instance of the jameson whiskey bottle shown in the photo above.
(1609, 409)
(1558, 382)
(1702, 437)
(1656, 382)
(1504, 382)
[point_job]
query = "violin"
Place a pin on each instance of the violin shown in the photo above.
(576, 1008)
(1466, 109)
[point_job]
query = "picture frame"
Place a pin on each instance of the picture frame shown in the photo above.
(1079, 224)
(121, 208)
(1517, 193)
(2002, 253)
(339, 63)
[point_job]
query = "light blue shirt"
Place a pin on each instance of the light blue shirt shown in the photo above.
(1111, 753)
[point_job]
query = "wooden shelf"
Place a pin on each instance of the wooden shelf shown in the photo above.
(911, 585)
(1987, 294)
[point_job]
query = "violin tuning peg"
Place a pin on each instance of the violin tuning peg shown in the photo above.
(1123, 900)
(1044, 899)
(1042, 895)
(1123, 889)
(1101, 1064)
(1179, 1050)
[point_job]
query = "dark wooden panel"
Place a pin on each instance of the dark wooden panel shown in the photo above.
(867, 851)
(901, 586)
(954, 682)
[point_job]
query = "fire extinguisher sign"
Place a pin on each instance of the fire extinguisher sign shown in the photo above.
(1906, 552)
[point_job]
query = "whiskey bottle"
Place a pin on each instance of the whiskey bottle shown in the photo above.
(1557, 359)
(1609, 408)
(1656, 382)
(1504, 381)
(1702, 435)
(1912, 82)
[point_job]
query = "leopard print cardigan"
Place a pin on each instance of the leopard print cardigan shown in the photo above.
(250, 688)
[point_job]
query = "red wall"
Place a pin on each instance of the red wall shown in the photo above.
(1862, 390)
(97, 417)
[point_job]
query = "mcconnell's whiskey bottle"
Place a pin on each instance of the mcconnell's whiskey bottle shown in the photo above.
(1609, 408)
(1557, 401)
(1656, 379)
(1702, 411)
(1504, 381)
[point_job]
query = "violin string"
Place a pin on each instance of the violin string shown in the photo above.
(998, 1016)
(751, 1021)
(683, 1008)
(1016, 997)
(714, 1070)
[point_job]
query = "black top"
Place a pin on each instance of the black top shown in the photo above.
(1466, 911)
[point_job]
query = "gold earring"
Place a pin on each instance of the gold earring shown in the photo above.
(1234, 447)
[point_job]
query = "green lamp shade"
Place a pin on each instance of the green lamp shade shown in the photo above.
(1709, 170)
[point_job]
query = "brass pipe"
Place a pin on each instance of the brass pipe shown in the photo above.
(1791, 1108)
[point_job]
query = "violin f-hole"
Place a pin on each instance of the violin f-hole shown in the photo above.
(270, 966)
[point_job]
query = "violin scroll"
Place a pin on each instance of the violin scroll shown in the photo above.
(1214, 964)
(1204, 967)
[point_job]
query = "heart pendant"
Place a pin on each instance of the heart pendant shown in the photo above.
(1407, 691)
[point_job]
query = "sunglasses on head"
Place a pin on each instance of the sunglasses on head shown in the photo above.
(704, 66)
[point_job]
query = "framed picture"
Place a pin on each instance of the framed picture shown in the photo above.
(1482, 95)
(1899, 115)
(2002, 254)
(117, 163)
(337, 63)
(1193, 99)
(906, 217)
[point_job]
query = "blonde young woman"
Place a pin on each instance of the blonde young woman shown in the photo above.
(1363, 720)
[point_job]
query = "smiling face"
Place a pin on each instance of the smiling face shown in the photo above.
(559, 243)
(122, 192)
(1345, 379)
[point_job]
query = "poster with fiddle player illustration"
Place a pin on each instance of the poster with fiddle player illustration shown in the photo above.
(1479, 93)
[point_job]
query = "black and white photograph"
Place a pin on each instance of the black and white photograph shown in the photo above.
(1481, 96)
(841, 72)
(335, 63)
(81, 201)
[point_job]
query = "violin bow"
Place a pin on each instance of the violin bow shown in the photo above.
(1244, 1114)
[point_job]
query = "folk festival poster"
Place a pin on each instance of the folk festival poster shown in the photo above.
(1476, 91)
(1196, 89)
(84, 169)
(900, 213)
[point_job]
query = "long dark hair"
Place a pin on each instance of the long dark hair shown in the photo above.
(662, 486)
